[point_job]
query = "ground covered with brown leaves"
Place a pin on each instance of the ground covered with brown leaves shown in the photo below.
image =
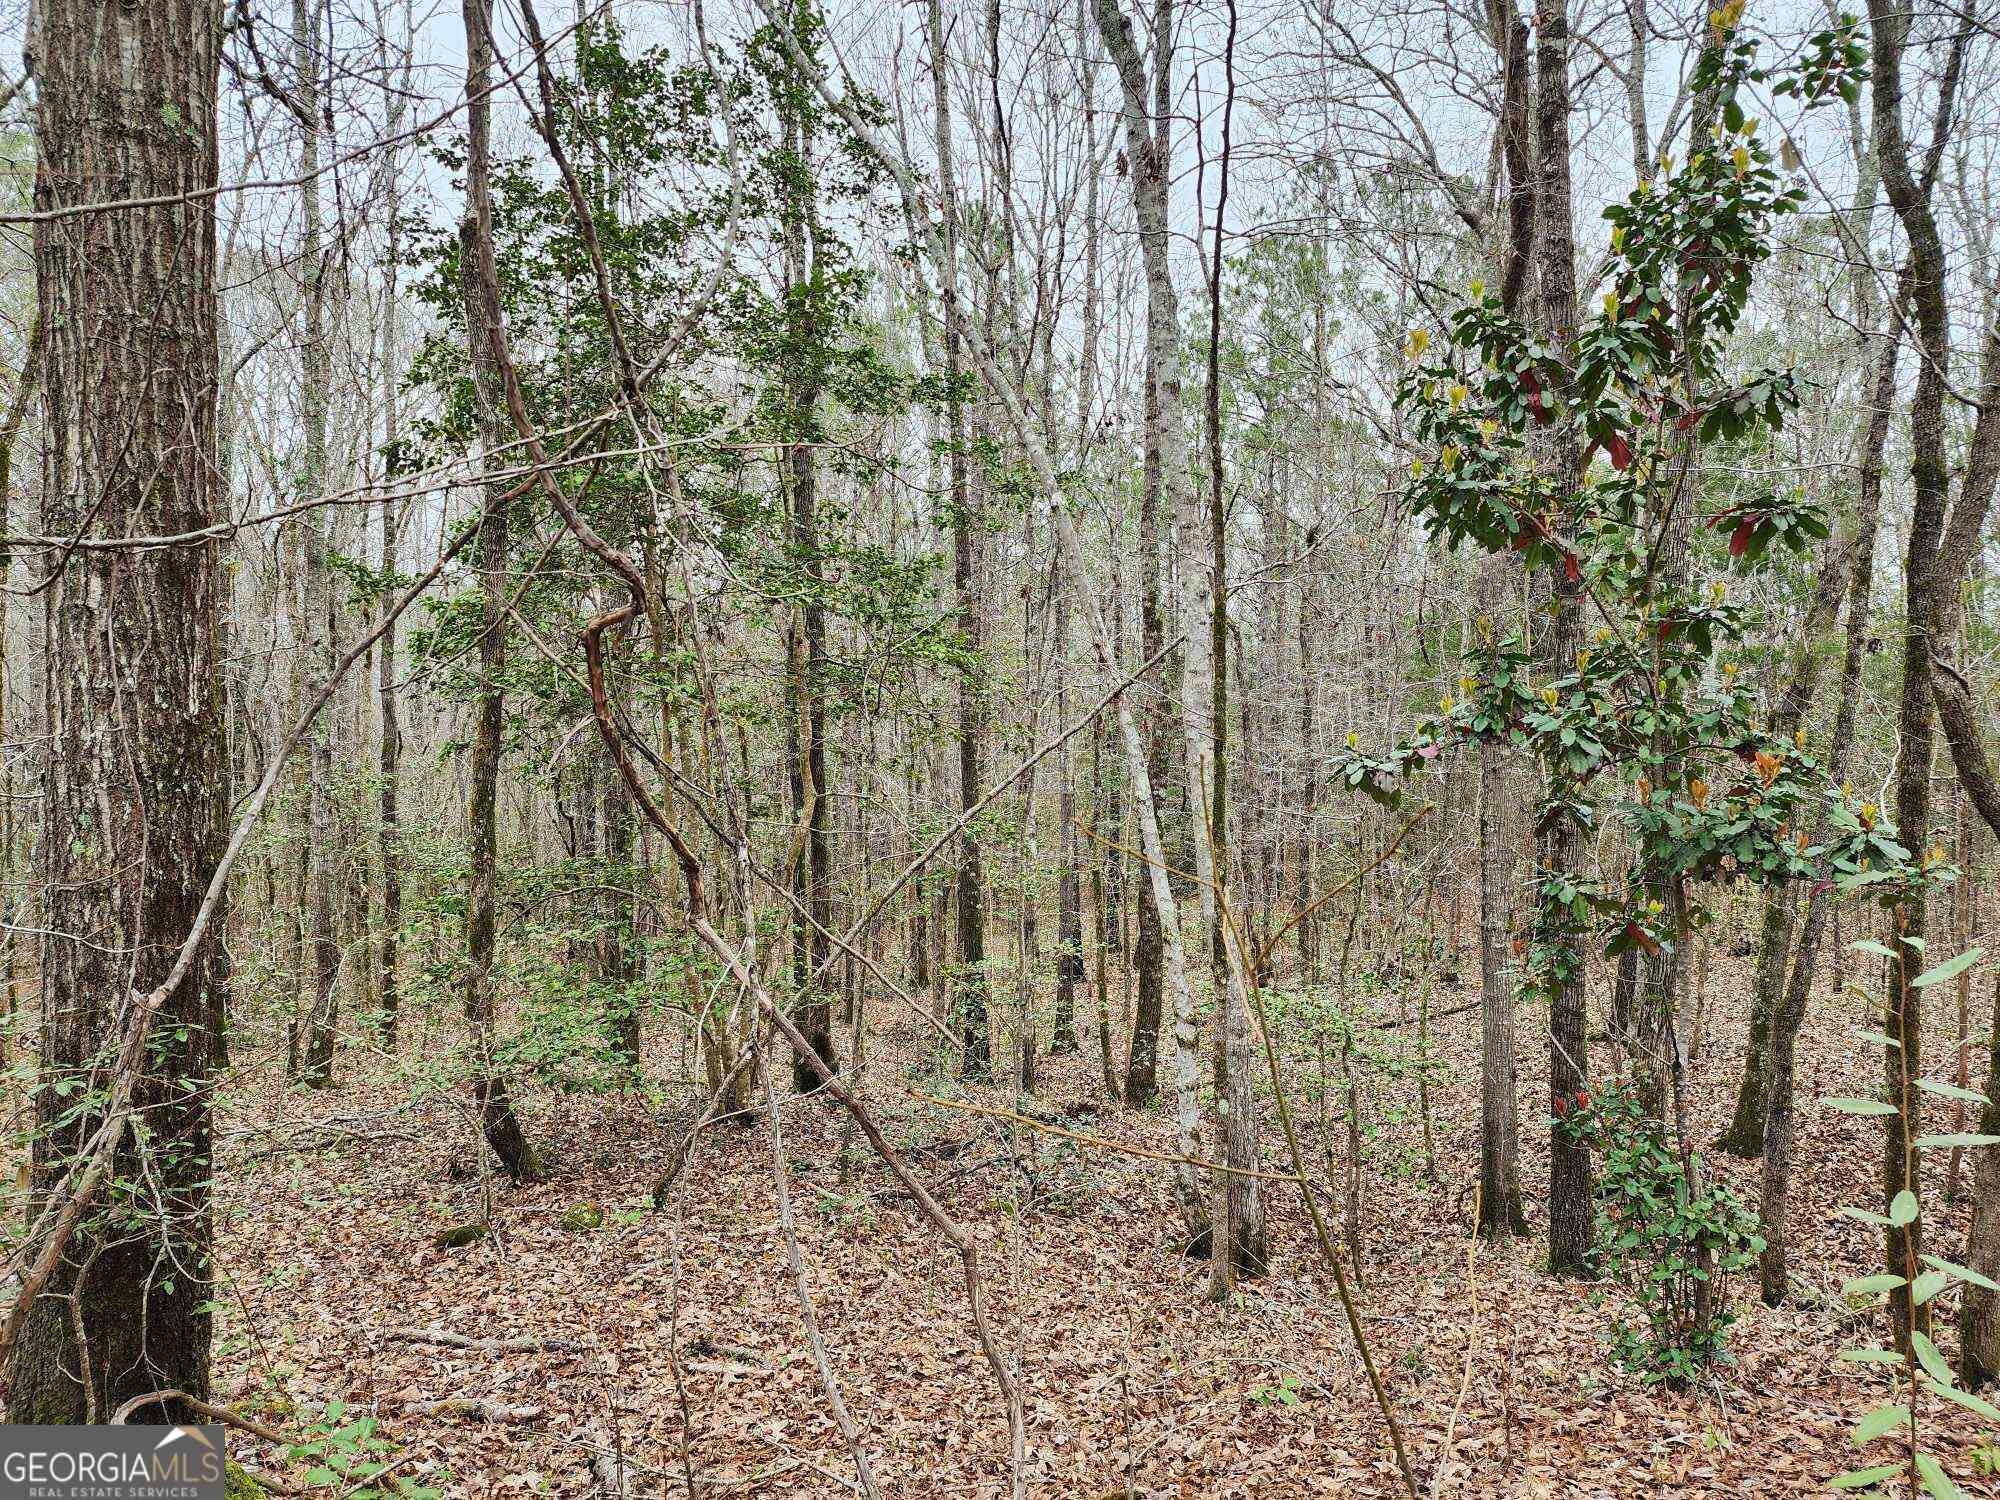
(668, 1346)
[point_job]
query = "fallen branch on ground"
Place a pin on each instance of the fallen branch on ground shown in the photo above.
(450, 1340)
(207, 1409)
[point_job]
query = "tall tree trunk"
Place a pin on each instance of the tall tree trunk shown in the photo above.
(1142, 1053)
(1903, 1063)
(127, 110)
(1240, 1245)
(1561, 844)
(971, 997)
(389, 769)
(1148, 127)
(1784, 1028)
(1500, 1210)
(316, 399)
(489, 1089)
(812, 945)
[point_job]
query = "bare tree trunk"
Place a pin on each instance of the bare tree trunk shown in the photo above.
(1147, 134)
(389, 764)
(1142, 1053)
(1778, 1108)
(127, 97)
(489, 1090)
(1902, 1063)
(1500, 1209)
(1240, 1245)
(971, 998)
(316, 398)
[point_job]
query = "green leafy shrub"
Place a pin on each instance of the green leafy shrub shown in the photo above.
(1667, 1248)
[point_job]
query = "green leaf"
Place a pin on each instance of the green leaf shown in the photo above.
(1869, 945)
(1903, 1208)
(1967, 1400)
(1951, 1091)
(1861, 1106)
(1951, 968)
(1882, 1419)
(1855, 1479)
(1864, 1216)
(1927, 1285)
(1932, 1361)
(1963, 1273)
(1929, 1141)
(1869, 1286)
(1877, 1038)
(1870, 1357)
(1936, 1480)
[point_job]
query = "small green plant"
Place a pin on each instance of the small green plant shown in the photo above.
(1920, 1371)
(1668, 1249)
(1284, 1393)
(349, 1456)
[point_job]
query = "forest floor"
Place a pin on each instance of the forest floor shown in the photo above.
(672, 1341)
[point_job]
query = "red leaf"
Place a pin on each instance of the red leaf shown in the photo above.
(1532, 384)
(1621, 453)
(1427, 752)
(1572, 570)
(1739, 543)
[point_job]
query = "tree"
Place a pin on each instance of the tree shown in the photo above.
(1647, 383)
(491, 1100)
(127, 102)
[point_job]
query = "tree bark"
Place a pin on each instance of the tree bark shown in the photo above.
(494, 1105)
(1916, 725)
(970, 999)
(1561, 850)
(316, 399)
(127, 109)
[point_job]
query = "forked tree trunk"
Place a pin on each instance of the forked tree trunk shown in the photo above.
(127, 110)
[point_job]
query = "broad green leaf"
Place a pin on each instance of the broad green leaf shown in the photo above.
(1882, 1419)
(1936, 1480)
(1966, 1399)
(1932, 1361)
(1951, 968)
(1870, 1357)
(1951, 1091)
(1864, 1215)
(1869, 1286)
(1860, 1106)
(1934, 1141)
(1855, 1479)
(1876, 1037)
(1963, 1273)
(1927, 1285)
(1869, 945)
(1903, 1208)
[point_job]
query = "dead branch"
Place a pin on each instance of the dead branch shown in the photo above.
(449, 1340)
